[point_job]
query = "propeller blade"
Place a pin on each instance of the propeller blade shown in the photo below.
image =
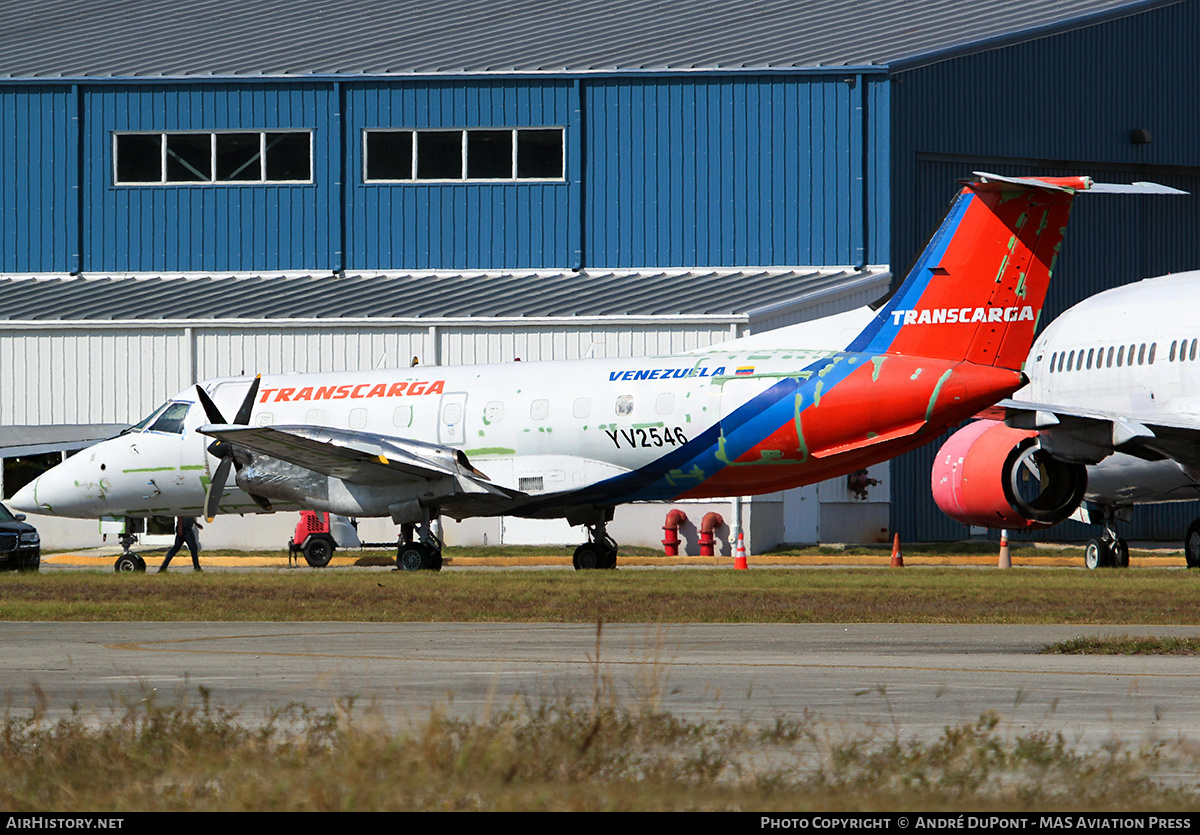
(216, 488)
(210, 408)
(243, 415)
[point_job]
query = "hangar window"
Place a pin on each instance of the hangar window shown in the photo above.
(191, 157)
(467, 155)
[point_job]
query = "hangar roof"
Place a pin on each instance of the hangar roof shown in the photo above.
(77, 39)
(429, 295)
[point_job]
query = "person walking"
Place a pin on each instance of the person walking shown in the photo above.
(186, 528)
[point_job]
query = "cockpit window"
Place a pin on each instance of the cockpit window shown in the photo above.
(144, 422)
(171, 419)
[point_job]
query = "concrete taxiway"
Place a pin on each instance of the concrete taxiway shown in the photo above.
(906, 680)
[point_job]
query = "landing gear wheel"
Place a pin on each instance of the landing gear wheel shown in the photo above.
(1120, 553)
(416, 556)
(1097, 554)
(591, 555)
(1191, 545)
(127, 563)
(318, 551)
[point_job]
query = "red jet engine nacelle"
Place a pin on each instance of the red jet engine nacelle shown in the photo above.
(993, 475)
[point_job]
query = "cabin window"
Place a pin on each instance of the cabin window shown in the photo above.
(1141, 353)
(539, 409)
(1192, 353)
(1108, 363)
(316, 416)
(1120, 355)
(1071, 361)
(402, 416)
(358, 418)
(582, 407)
(1150, 356)
(264, 419)
(1091, 352)
(493, 412)
(624, 405)
(1053, 357)
(665, 404)
(452, 414)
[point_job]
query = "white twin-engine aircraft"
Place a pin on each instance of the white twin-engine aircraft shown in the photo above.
(1110, 419)
(576, 438)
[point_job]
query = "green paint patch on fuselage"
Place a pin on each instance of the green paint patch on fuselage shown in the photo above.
(490, 450)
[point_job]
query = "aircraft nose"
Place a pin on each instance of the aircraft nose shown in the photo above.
(53, 493)
(25, 499)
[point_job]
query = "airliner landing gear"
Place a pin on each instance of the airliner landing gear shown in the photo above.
(600, 551)
(128, 561)
(1191, 545)
(419, 554)
(1110, 550)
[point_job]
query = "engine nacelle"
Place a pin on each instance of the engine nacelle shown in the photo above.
(990, 474)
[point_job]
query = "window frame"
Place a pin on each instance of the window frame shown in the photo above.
(464, 147)
(212, 135)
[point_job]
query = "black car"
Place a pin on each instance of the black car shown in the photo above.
(20, 545)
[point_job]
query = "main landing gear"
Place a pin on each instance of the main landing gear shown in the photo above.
(419, 549)
(1191, 545)
(600, 551)
(1110, 550)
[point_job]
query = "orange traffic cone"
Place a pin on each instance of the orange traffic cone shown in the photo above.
(739, 559)
(897, 557)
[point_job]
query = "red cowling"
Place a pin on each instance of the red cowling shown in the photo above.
(993, 475)
(675, 518)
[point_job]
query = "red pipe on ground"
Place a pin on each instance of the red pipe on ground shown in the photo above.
(708, 524)
(675, 518)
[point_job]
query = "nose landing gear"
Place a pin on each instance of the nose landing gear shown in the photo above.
(128, 561)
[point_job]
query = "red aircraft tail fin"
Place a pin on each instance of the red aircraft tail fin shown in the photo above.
(976, 291)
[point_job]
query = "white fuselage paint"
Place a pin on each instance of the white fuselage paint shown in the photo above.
(1132, 350)
(538, 427)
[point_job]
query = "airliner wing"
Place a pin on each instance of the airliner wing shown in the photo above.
(1087, 436)
(359, 457)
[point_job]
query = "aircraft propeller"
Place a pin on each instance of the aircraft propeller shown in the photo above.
(223, 450)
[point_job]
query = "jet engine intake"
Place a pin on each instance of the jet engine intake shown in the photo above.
(990, 474)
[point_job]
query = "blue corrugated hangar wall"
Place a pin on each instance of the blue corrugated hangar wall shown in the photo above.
(660, 171)
(1063, 104)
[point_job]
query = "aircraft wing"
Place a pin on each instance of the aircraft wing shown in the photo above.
(1087, 436)
(359, 457)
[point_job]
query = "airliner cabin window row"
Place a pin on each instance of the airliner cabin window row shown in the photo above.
(477, 155)
(1143, 354)
(207, 158)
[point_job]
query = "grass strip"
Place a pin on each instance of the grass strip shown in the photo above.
(1125, 645)
(561, 755)
(928, 595)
